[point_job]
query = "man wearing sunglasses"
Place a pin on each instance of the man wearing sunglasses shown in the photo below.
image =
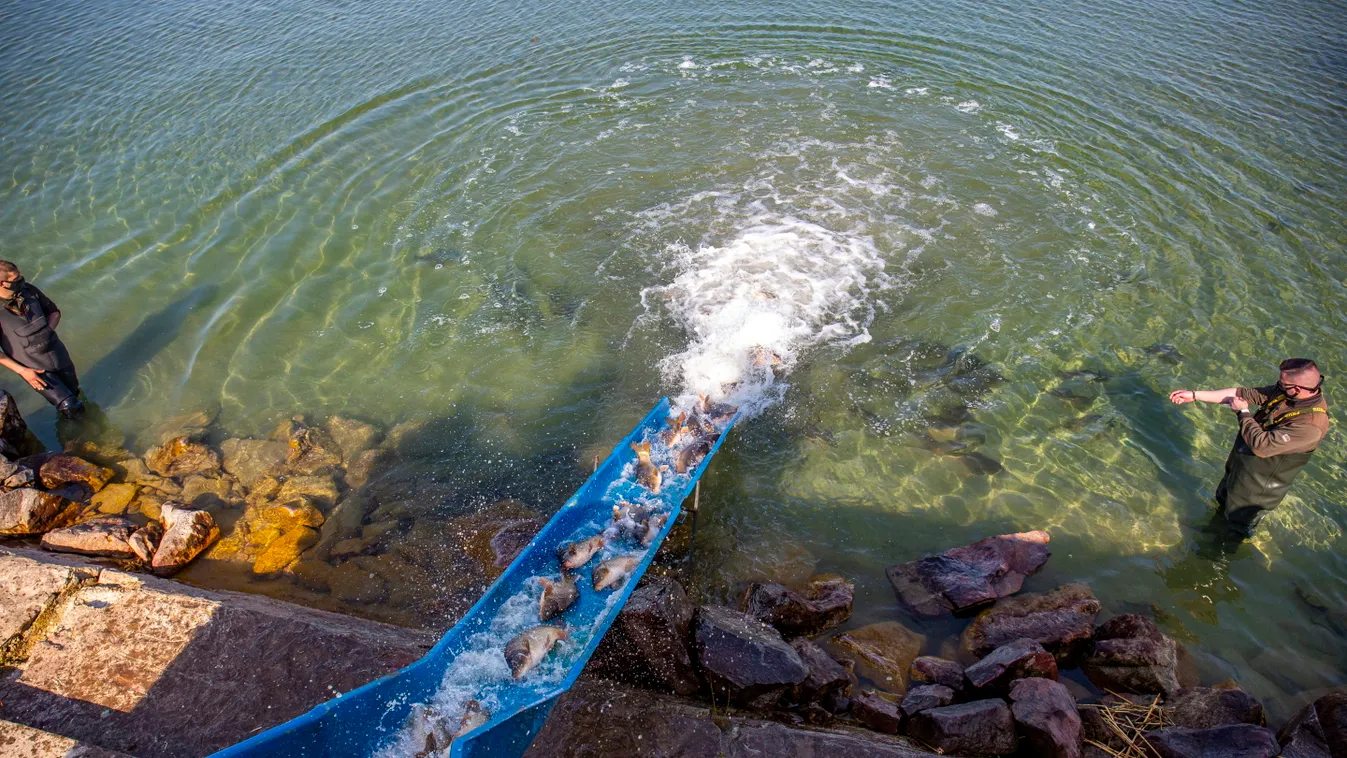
(1274, 443)
(29, 343)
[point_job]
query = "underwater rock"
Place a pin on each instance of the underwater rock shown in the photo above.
(285, 550)
(924, 697)
(880, 652)
(359, 471)
(1205, 707)
(1234, 741)
(181, 456)
(194, 425)
(821, 604)
(744, 660)
(1061, 620)
(826, 676)
(1019, 659)
(114, 499)
(1131, 654)
(1046, 715)
(970, 576)
(877, 711)
(148, 503)
(983, 727)
(186, 533)
(134, 471)
(321, 490)
(61, 470)
(649, 639)
(251, 460)
(30, 511)
(208, 492)
(352, 437)
(107, 536)
(311, 450)
(928, 669)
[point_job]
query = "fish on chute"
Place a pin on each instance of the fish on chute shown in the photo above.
(577, 554)
(558, 595)
(528, 649)
(613, 570)
(647, 473)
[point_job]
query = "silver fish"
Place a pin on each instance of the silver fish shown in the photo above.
(577, 554)
(647, 473)
(474, 715)
(690, 456)
(612, 571)
(429, 732)
(652, 527)
(557, 596)
(528, 649)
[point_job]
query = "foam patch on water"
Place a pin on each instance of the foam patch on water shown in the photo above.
(982, 209)
(754, 303)
(969, 106)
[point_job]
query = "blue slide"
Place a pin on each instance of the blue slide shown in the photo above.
(468, 663)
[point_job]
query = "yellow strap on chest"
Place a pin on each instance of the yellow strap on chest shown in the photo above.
(1288, 416)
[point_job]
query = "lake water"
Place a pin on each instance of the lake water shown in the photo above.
(1003, 231)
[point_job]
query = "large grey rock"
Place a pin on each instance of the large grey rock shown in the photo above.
(649, 640)
(742, 658)
(30, 511)
(880, 652)
(824, 602)
(1020, 659)
(924, 697)
(1046, 715)
(983, 727)
(107, 536)
(970, 576)
(1205, 707)
(601, 720)
(826, 676)
(1131, 654)
(1234, 741)
(928, 669)
(1319, 730)
(1061, 621)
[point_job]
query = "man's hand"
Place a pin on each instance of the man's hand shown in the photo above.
(32, 376)
(1238, 404)
(1179, 397)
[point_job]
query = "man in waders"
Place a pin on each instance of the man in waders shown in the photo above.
(1273, 444)
(31, 348)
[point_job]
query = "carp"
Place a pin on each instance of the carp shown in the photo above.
(690, 456)
(612, 571)
(527, 650)
(577, 554)
(652, 527)
(429, 732)
(557, 596)
(713, 410)
(647, 473)
(678, 429)
(474, 715)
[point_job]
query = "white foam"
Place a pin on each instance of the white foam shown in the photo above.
(982, 209)
(687, 63)
(856, 68)
(753, 304)
(1007, 130)
(916, 90)
(880, 82)
(969, 106)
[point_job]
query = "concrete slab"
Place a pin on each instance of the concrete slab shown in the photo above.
(19, 741)
(27, 588)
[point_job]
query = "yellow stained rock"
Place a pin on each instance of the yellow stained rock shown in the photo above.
(114, 499)
(285, 550)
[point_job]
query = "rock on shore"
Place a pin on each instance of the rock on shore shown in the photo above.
(967, 577)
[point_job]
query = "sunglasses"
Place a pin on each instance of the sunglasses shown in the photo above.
(14, 285)
(1285, 388)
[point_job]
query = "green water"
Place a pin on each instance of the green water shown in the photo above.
(425, 210)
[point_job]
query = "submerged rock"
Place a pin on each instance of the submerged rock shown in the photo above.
(1131, 654)
(1061, 620)
(107, 536)
(360, 470)
(983, 727)
(649, 639)
(251, 460)
(186, 533)
(135, 471)
(970, 576)
(311, 450)
(30, 511)
(1205, 707)
(743, 659)
(61, 470)
(1047, 718)
(352, 437)
(1020, 659)
(181, 456)
(824, 602)
(931, 670)
(880, 652)
(114, 499)
(1234, 741)
(878, 711)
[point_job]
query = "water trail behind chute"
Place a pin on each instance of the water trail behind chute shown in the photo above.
(754, 305)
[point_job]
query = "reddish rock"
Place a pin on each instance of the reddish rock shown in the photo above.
(880, 652)
(1234, 741)
(186, 534)
(1021, 659)
(649, 640)
(30, 511)
(743, 659)
(108, 536)
(821, 604)
(1131, 654)
(1046, 715)
(924, 697)
(877, 711)
(826, 675)
(511, 540)
(983, 727)
(931, 670)
(1061, 621)
(970, 576)
(60, 470)
(1205, 707)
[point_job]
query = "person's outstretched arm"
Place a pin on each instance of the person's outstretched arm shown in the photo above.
(1223, 397)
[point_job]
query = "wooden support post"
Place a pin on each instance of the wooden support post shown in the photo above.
(692, 541)
(596, 464)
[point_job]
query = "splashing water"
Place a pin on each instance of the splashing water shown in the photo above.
(754, 305)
